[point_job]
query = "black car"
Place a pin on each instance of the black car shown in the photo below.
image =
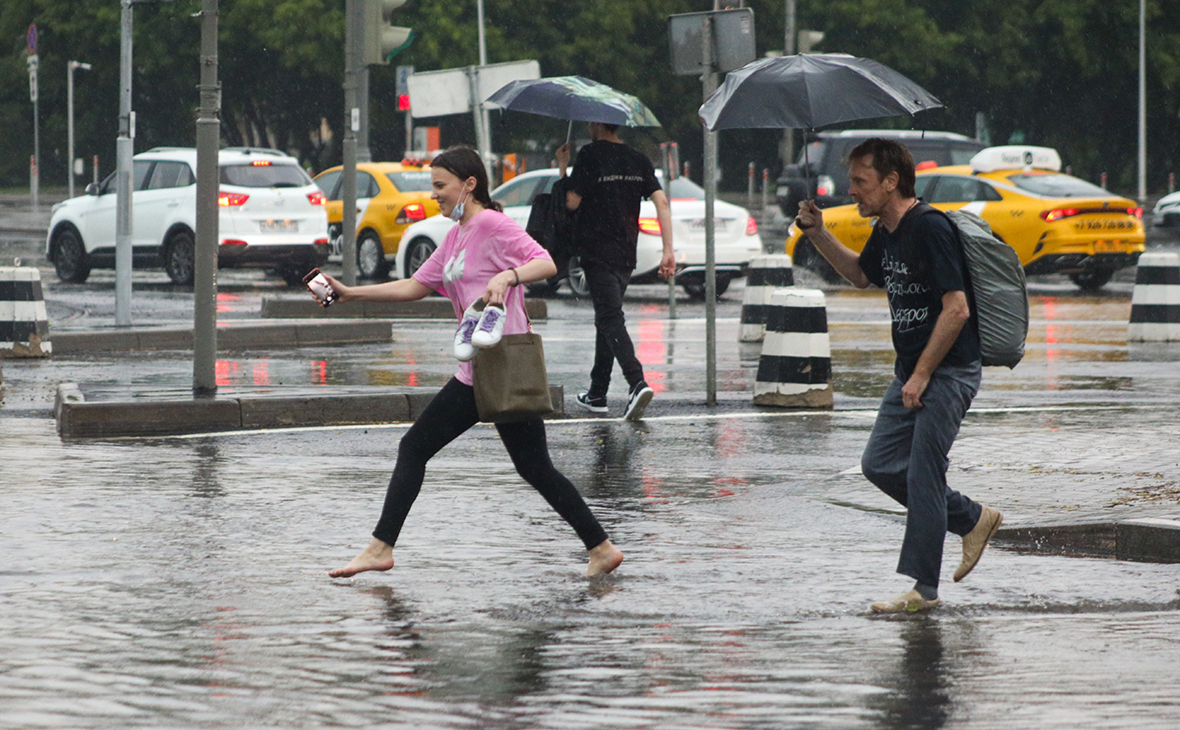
(827, 154)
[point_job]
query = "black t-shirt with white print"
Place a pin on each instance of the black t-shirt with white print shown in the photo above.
(612, 179)
(915, 298)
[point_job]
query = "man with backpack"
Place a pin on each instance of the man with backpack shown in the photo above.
(915, 255)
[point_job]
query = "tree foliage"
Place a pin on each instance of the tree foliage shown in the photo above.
(1062, 73)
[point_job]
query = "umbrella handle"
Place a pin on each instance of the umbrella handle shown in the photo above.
(568, 131)
(806, 171)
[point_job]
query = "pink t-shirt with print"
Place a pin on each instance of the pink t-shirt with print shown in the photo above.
(470, 255)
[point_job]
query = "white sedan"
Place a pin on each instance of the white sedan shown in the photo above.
(1167, 211)
(736, 238)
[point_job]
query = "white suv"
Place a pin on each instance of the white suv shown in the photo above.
(272, 216)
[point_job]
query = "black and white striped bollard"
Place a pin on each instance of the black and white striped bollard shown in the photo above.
(765, 274)
(1155, 301)
(795, 370)
(24, 325)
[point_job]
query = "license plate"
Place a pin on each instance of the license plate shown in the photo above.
(1108, 246)
(699, 224)
(278, 226)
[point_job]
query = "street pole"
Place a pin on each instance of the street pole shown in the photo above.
(36, 145)
(208, 215)
(352, 121)
(789, 50)
(70, 116)
(483, 128)
(124, 151)
(709, 80)
(1142, 101)
(362, 93)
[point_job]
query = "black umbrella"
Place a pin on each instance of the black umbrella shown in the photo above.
(809, 91)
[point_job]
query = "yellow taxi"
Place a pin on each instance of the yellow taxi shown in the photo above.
(1057, 223)
(389, 197)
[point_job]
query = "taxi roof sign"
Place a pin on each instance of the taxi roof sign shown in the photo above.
(1015, 157)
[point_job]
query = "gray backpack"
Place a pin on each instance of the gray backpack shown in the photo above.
(1000, 294)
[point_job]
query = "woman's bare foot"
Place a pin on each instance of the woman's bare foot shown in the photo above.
(377, 556)
(604, 558)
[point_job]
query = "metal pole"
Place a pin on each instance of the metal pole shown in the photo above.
(352, 35)
(789, 50)
(208, 215)
(124, 150)
(362, 93)
(36, 147)
(70, 125)
(70, 117)
(1142, 101)
(710, 85)
(484, 129)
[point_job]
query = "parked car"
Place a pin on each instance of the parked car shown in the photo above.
(1056, 223)
(828, 153)
(1166, 213)
(736, 235)
(271, 216)
(389, 197)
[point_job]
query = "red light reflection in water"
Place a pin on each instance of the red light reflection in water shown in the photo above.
(319, 372)
(651, 349)
(222, 302)
(225, 371)
(729, 443)
(1049, 306)
(412, 375)
(262, 372)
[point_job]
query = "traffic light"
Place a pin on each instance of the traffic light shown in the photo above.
(382, 41)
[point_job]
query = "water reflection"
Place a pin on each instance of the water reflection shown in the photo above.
(919, 695)
(205, 478)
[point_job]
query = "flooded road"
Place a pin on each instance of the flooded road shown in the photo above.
(181, 582)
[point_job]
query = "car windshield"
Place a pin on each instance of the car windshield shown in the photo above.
(684, 189)
(416, 181)
(250, 175)
(1054, 185)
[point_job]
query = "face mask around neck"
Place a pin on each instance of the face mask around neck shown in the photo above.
(457, 212)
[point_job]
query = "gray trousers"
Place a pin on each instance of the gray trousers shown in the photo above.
(906, 457)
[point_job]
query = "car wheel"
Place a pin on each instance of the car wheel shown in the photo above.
(576, 278)
(370, 256)
(179, 256)
(696, 290)
(69, 256)
(1092, 279)
(418, 251)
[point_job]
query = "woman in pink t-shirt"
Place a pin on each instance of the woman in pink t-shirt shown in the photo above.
(486, 256)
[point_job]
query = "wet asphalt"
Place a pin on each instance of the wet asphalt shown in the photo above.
(181, 582)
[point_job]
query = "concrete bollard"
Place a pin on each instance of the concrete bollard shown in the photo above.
(765, 274)
(24, 326)
(795, 370)
(1155, 302)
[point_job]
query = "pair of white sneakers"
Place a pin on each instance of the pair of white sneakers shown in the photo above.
(481, 327)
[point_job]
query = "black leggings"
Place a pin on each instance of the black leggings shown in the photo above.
(449, 415)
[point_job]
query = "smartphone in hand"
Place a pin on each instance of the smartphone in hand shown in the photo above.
(319, 287)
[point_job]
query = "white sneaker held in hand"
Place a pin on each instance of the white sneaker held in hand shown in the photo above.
(464, 350)
(491, 327)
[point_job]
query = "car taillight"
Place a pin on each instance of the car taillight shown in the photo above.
(751, 226)
(231, 199)
(650, 226)
(321, 242)
(1137, 212)
(1058, 213)
(824, 185)
(317, 198)
(412, 212)
(261, 163)
(233, 242)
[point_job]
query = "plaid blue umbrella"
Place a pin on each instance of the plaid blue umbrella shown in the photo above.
(574, 98)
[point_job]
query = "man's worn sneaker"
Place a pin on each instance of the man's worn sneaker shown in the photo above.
(637, 402)
(595, 404)
(975, 541)
(464, 350)
(491, 327)
(911, 602)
